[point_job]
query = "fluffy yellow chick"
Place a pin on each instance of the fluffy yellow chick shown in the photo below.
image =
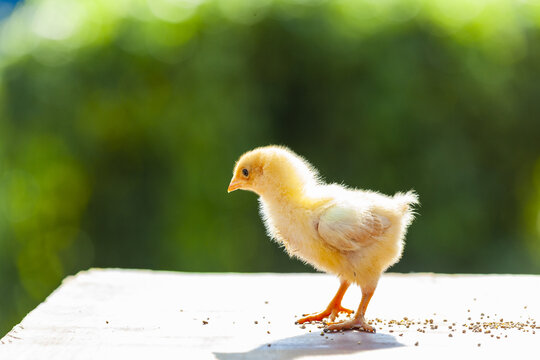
(354, 234)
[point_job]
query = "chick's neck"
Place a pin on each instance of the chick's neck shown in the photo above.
(286, 194)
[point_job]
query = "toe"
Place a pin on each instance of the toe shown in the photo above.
(310, 318)
(368, 328)
(337, 326)
(333, 316)
(349, 325)
(345, 310)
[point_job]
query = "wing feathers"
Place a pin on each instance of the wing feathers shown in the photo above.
(347, 228)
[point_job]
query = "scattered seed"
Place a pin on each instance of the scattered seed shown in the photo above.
(106, 321)
(256, 322)
(269, 345)
(268, 332)
(204, 322)
(416, 343)
(479, 344)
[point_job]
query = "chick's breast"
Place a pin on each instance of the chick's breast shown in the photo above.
(295, 228)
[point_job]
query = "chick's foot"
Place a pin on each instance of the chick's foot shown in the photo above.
(331, 313)
(333, 309)
(357, 323)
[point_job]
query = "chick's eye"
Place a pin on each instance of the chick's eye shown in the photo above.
(245, 172)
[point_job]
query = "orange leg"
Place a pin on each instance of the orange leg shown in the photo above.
(333, 309)
(358, 322)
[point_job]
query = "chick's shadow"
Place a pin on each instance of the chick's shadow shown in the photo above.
(313, 344)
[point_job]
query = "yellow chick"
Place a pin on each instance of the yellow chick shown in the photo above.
(354, 234)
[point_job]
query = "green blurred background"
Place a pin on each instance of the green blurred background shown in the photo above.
(120, 122)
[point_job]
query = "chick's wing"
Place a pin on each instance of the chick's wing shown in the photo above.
(348, 228)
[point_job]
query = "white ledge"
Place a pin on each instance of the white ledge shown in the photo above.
(142, 314)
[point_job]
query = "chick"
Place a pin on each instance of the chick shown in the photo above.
(354, 234)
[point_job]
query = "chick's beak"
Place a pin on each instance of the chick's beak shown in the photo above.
(234, 185)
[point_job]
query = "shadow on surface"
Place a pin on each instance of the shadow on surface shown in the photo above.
(313, 344)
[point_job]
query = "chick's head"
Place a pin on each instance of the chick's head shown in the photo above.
(272, 169)
(248, 172)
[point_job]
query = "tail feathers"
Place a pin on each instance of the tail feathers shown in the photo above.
(406, 201)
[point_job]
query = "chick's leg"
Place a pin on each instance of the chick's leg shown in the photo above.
(333, 309)
(358, 322)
